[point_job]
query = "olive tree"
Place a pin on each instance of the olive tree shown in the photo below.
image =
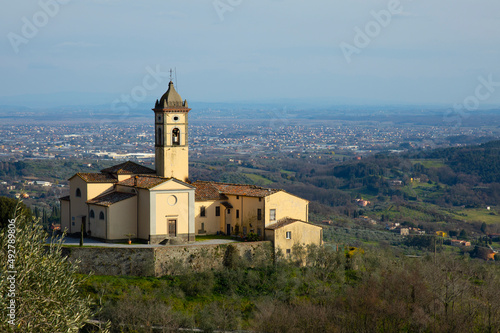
(38, 285)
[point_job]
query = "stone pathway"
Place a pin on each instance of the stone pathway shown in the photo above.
(94, 242)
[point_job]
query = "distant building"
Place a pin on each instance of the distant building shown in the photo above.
(441, 233)
(362, 203)
(42, 183)
(458, 242)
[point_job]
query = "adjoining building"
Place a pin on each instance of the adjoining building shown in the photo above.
(162, 205)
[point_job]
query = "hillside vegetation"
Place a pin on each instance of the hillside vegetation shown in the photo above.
(323, 291)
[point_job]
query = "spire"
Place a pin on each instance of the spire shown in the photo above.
(171, 98)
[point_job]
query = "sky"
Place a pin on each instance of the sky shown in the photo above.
(64, 52)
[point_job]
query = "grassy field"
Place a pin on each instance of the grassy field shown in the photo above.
(258, 179)
(478, 214)
(429, 163)
(400, 213)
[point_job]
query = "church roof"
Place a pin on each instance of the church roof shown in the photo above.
(95, 177)
(145, 182)
(110, 198)
(286, 221)
(171, 99)
(213, 190)
(128, 168)
(206, 191)
(149, 181)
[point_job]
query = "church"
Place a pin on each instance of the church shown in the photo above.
(162, 206)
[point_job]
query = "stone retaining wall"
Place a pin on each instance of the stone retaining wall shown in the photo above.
(159, 261)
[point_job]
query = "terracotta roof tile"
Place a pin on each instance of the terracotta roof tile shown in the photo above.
(206, 191)
(96, 177)
(129, 168)
(286, 221)
(110, 198)
(212, 190)
(145, 182)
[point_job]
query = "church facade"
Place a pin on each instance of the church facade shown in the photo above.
(131, 201)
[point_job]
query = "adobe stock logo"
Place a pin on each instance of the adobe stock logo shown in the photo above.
(483, 91)
(372, 29)
(223, 6)
(30, 28)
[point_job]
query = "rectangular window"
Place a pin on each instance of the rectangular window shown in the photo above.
(237, 213)
(288, 252)
(217, 211)
(259, 214)
(288, 235)
(229, 211)
(244, 231)
(260, 199)
(237, 197)
(202, 211)
(272, 215)
(259, 232)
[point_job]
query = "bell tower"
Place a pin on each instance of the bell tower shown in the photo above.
(171, 135)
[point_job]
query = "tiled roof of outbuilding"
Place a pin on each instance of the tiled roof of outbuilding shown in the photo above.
(286, 221)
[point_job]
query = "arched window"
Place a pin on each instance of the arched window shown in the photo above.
(176, 137)
(101, 216)
(92, 215)
(78, 193)
(159, 138)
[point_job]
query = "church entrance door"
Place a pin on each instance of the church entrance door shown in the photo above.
(172, 228)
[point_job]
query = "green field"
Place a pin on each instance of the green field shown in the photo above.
(258, 179)
(478, 214)
(430, 163)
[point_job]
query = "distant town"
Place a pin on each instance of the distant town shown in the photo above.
(130, 138)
